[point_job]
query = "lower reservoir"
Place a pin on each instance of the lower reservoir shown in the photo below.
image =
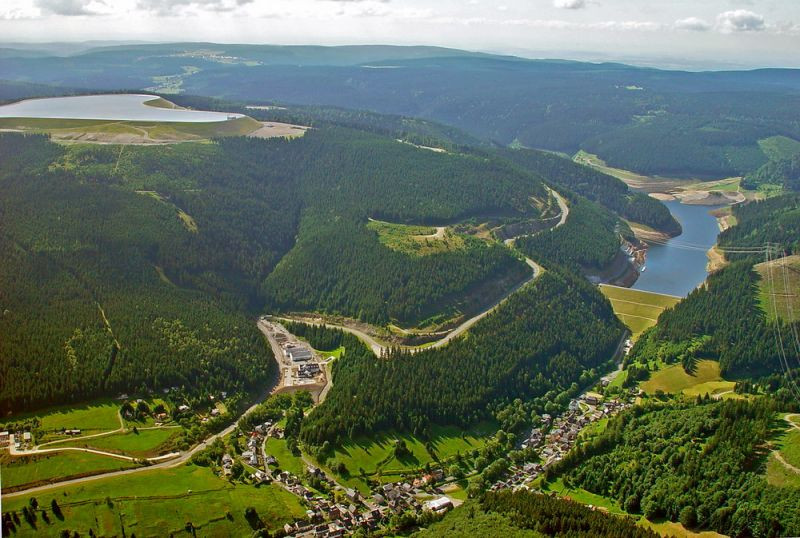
(679, 266)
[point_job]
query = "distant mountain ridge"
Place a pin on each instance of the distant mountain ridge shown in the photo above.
(655, 122)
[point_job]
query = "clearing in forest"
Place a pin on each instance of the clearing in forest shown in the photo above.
(416, 240)
(780, 282)
(637, 309)
(674, 379)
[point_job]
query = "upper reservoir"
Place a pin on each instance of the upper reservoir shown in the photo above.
(120, 107)
(679, 266)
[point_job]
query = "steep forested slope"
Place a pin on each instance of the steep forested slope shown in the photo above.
(588, 239)
(699, 465)
(539, 342)
(597, 187)
(139, 266)
(524, 514)
(84, 311)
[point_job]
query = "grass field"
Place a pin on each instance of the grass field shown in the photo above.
(286, 460)
(582, 496)
(789, 445)
(673, 379)
(159, 503)
(416, 240)
(91, 417)
(778, 475)
(594, 161)
(375, 454)
(780, 281)
(47, 467)
(638, 310)
(779, 147)
(144, 444)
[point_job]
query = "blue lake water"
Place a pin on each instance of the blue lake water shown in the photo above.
(121, 107)
(679, 266)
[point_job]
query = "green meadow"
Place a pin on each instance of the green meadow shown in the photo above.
(93, 417)
(159, 503)
(374, 457)
(47, 467)
(674, 379)
(144, 444)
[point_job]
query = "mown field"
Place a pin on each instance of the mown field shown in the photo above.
(159, 503)
(787, 444)
(43, 468)
(130, 132)
(144, 443)
(286, 460)
(674, 379)
(93, 417)
(638, 310)
(374, 456)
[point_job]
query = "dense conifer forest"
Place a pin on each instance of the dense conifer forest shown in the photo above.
(597, 187)
(589, 239)
(139, 267)
(699, 465)
(538, 343)
(524, 514)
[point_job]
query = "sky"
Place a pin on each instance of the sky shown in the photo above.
(668, 33)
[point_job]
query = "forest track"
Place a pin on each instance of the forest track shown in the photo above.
(379, 348)
(777, 453)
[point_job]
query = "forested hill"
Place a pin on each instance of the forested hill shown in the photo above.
(536, 347)
(115, 260)
(668, 123)
(690, 464)
(527, 514)
(598, 187)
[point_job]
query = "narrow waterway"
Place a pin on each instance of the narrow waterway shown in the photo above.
(679, 266)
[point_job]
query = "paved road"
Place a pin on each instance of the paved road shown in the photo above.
(181, 458)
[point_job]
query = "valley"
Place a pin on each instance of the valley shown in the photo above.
(272, 308)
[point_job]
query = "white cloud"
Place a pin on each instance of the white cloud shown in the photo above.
(693, 24)
(569, 4)
(740, 20)
(175, 7)
(71, 8)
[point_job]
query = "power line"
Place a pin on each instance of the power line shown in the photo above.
(778, 336)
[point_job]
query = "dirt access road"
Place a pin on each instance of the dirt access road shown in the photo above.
(379, 348)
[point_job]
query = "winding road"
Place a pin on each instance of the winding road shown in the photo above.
(379, 348)
(176, 459)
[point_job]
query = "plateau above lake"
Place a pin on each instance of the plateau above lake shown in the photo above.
(119, 107)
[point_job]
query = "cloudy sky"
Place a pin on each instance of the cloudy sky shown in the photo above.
(672, 33)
